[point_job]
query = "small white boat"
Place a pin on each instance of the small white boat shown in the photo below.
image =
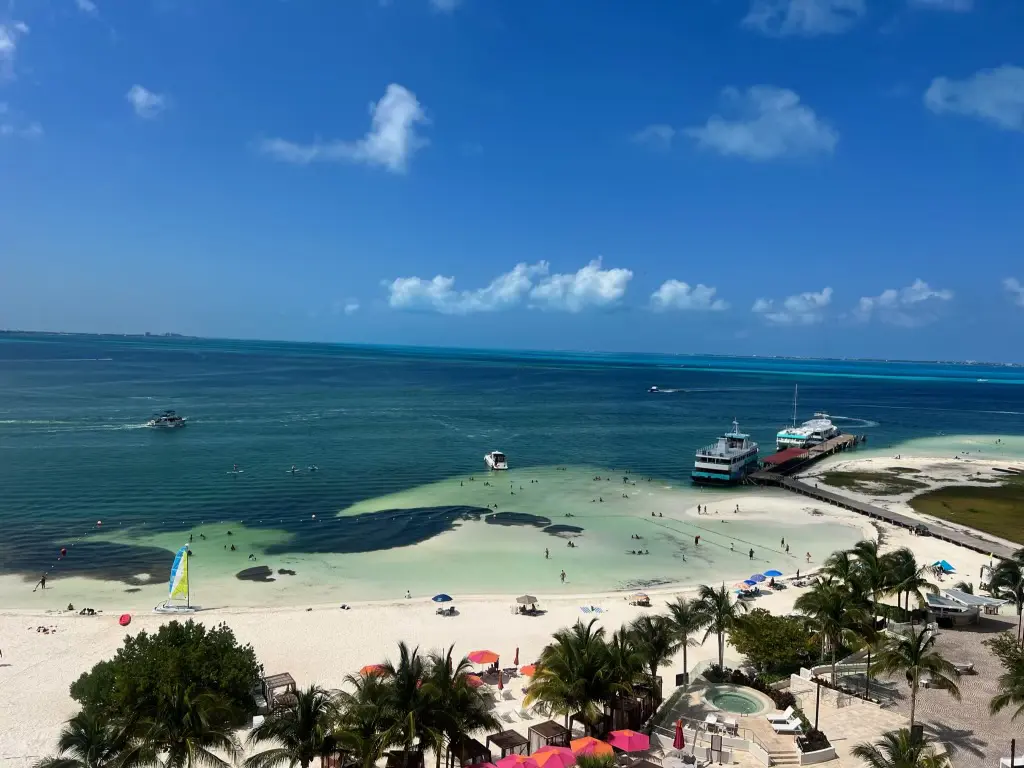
(167, 420)
(653, 389)
(496, 460)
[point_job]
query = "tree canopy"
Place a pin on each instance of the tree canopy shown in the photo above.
(770, 643)
(149, 669)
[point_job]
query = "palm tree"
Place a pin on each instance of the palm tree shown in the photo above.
(1011, 682)
(874, 571)
(687, 620)
(1007, 583)
(187, 725)
(913, 653)
(842, 566)
(657, 643)
(362, 724)
(898, 749)
(575, 674)
(721, 612)
(964, 586)
(625, 660)
(302, 729)
(833, 615)
(908, 578)
(87, 741)
(457, 709)
(407, 708)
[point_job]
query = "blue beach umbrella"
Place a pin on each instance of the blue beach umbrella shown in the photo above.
(750, 582)
(757, 577)
(773, 573)
(442, 598)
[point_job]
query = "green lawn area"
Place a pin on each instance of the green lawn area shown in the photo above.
(890, 482)
(998, 510)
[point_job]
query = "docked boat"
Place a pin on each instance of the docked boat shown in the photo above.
(727, 461)
(812, 432)
(167, 420)
(496, 460)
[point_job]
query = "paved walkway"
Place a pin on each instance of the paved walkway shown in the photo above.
(976, 543)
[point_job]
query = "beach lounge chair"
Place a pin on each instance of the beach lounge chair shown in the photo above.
(507, 694)
(790, 726)
(964, 668)
(779, 717)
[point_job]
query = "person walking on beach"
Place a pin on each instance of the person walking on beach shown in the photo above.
(563, 577)
(783, 542)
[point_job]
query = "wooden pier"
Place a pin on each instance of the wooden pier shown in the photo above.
(778, 476)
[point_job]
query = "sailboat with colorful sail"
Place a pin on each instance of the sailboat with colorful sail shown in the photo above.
(178, 587)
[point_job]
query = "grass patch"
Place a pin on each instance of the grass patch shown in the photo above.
(998, 510)
(880, 483)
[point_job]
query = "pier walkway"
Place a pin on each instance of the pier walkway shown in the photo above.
(942, 532)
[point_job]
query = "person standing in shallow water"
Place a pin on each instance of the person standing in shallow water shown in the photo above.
(751, 553)
(563, 577)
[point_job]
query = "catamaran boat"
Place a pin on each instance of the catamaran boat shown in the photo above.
(812, 432)
(727, 461)
(167, 420)
(496, 460)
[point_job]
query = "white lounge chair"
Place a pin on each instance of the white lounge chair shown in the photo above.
(779, 717)
(790, 726)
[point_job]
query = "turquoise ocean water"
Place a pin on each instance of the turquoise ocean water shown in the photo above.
(379, 421)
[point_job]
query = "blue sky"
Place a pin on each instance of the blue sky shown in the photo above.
(815, 177)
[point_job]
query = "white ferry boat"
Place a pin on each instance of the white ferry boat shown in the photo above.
(496, 460)
(167, 420)
(813, 432)
(727, 461)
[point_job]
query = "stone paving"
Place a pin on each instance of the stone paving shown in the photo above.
(973, 738)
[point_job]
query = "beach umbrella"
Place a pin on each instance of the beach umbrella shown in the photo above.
(944, 566)
(749, 583)
(679, 742)
(529, 670)
(526, 599)
(550, 756)
(501, 683)
(515, 661)
(474, 681)
(588, 745)
(517, 761)
(442, 598)
(758, 577)
(773, 573)
(629, 741)
(372, 669)
(483, 657)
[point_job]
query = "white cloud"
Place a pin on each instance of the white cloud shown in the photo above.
(807, 18)
(772, 123)
(957, 6)
(801, 309)
(1013, 285)
(445, 6)
(351, 308)
(145, 102)
(675, 294)
(590, 286)
(14, 126)
(10, 34)
(86, 6)
(906, 306)
(658, 136)
(439, 294)
(995, 95)
(391, 141)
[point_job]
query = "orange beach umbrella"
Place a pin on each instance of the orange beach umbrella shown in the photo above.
(483, 657)
(588, 745)
(372, 669)
(529, 670)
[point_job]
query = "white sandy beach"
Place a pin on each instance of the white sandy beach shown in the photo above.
(323, 644)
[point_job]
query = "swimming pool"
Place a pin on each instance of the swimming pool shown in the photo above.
(737, 699)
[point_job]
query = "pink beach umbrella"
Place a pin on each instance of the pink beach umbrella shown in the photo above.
(517, 761)
(629, 741)
(483, 657)
(680, 739)
(550, 756)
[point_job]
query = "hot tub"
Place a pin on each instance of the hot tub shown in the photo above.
(737, 699)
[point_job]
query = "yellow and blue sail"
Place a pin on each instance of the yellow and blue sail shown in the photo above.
(179, 574)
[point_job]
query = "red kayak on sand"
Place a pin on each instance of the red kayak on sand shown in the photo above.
(125, 620)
